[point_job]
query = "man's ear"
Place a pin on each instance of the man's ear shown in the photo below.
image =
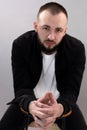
(66, 30)
(35, 26)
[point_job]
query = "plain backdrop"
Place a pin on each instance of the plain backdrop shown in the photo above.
(17, 17)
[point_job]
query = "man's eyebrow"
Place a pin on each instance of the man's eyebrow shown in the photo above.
(59, 28)
(46, 26)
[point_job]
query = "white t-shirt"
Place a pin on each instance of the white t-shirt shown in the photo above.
(47, 81)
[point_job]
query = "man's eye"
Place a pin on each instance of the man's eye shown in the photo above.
(45, 28)
(59, 30)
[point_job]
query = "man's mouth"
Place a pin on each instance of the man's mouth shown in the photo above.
(49, 43)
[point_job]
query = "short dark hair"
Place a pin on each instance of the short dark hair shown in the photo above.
(54, 8)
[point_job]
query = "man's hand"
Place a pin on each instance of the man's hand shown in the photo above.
(45, 110)
(36, 109)
(55, 109)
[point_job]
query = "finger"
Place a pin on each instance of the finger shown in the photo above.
(48, 126)
(39, 122)
(40, 115)
(52, 98)
(44, 123)
(41, 105)
(50, 111)
(45, 98)
(48, 121)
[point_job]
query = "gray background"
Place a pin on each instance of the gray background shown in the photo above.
(17, 17)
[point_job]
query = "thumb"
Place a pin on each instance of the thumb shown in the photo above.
(44, 99)
(52, 98)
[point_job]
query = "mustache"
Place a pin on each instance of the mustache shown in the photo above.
(49, 40)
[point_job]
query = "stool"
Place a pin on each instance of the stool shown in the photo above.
(53, 127)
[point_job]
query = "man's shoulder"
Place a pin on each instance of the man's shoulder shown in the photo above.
(26, 39)
(72, 44)
(72, 41)
(26, 35)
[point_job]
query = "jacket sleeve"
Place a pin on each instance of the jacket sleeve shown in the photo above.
(22, 81)
(70, 79)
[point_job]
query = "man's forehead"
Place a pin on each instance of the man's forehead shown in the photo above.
(46, 17)
(47, 13)
(52, 23)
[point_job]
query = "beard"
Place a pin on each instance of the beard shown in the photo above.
(47, 50)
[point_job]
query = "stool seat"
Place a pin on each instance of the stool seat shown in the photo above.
(32, 125)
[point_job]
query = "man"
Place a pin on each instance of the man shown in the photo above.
(48, 66)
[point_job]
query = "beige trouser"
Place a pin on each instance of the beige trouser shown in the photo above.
(53, 127)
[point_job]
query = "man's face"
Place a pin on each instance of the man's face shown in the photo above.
(50, 29)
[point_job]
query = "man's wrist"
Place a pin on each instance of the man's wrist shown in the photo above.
(29, 107)
(61, 109)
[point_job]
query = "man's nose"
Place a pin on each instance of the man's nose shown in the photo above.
(51, 36)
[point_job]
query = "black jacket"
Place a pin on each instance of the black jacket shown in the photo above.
(27, 67)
